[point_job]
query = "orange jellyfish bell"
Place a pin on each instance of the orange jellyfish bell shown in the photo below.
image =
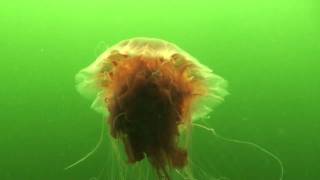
(150, 90)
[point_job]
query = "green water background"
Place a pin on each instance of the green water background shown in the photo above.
(269, 51)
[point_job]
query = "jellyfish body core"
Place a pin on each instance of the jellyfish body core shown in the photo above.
(146, 107)
(150, 90)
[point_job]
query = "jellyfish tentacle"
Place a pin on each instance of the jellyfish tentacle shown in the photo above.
(90, 153)
(260, 148)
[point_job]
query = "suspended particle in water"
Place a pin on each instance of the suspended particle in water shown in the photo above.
(150, 90)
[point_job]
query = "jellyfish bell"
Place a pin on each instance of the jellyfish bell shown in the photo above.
(90, 79)
(150, 91)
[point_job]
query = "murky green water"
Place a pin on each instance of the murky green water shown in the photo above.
(268, 51)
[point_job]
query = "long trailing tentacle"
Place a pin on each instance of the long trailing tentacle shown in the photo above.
(92, 151)
(264, 150)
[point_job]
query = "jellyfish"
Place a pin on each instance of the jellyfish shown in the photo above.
(150, 91)
(151, 94)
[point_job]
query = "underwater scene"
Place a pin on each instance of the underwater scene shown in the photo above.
(160, 90)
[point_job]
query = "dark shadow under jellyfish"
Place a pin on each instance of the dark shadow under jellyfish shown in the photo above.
(150, 92)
